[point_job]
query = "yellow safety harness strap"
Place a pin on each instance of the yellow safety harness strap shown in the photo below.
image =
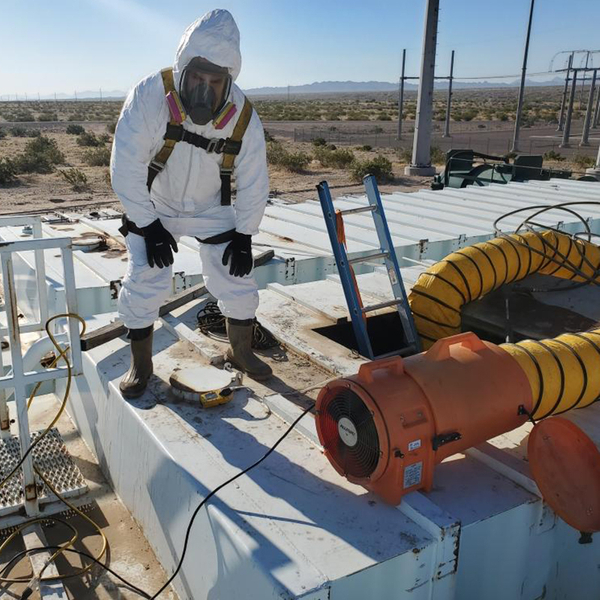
(157, 164)
(228, 158)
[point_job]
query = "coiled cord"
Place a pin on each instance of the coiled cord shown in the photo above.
(212, 323)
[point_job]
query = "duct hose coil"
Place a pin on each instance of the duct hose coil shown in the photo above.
(564, 372)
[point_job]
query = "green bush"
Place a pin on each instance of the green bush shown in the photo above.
(583, 161)
(553, 155)
(40, 156)
(18, 132)
(104, 138)
(88, 138)
(366, 148)
(438, 156)
(76, 178)
(380, 167)
(24, 117)
(337, 159)
(47, 117)
(8, 171)
(111, 127)
(73, 129)
(98, 157)
(2, 134)
(405, 155)
(320, 141)
(268, 137)
(291, 161)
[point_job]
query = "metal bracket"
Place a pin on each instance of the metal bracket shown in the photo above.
(115, 287)
(179, 282)
(445, 438)
(290, 269)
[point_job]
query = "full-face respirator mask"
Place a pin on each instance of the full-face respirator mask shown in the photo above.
(204, 89)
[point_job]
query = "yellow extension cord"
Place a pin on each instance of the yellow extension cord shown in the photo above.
(564, 373)
(62, 354)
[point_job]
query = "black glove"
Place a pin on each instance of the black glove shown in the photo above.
(240, 251)
(158, 245)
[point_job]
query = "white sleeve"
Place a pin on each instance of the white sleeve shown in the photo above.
(251, 178)
(138, 137)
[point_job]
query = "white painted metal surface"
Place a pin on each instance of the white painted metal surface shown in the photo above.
(294, 528)
(18, 379)
(286, 530)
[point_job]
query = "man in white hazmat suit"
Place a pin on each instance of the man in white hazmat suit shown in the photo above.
(175, 148)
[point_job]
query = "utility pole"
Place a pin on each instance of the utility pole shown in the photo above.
(421, 157)
(515, 145)
(401, 95)
(567, 129)
(597, 113)
(449, 102)
(563, 104)
(595, 170)
(588, 113)
(587, 61)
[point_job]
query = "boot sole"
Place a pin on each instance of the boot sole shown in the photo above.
(254, 376)
(131, 395)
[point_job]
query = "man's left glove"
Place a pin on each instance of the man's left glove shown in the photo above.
(240, 252)
(159, 243)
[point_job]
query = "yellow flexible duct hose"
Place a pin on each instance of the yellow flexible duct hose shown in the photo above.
(564, 372)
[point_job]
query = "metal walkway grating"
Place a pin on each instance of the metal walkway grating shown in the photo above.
(51, 458)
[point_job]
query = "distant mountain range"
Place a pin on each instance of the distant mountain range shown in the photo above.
(319, 87)
(332, 87)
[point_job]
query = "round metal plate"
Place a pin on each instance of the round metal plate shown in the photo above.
(201, 379)
(566, 467)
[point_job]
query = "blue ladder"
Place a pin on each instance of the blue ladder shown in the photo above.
(358, 312)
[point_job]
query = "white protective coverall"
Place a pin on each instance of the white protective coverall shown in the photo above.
(186, 195)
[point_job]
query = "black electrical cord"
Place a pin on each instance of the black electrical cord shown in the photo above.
(550, 253)
(215, 490)
(28, 591)
(189, 527)
(211, 322)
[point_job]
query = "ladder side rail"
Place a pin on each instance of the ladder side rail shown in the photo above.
(391, 263)
(344, 270)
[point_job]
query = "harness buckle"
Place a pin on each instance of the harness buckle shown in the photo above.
(216, 145)
(156, 165)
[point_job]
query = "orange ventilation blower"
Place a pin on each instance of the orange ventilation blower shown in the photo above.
(386, 427)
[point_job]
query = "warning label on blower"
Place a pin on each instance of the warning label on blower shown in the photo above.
(413, 474)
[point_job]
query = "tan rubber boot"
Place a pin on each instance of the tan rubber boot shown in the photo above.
(240, 354)
(135, 380)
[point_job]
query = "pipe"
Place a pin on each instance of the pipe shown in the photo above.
(563, 372)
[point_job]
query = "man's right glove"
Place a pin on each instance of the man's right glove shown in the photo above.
(240, 252)
(158, 245)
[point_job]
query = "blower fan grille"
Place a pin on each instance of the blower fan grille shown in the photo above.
(349, 434)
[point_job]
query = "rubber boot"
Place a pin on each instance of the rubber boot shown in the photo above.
(135, 380)
(240, 354)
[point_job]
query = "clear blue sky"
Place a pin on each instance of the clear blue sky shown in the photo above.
(51, 46)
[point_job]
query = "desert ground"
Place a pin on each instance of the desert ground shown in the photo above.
(55, 155)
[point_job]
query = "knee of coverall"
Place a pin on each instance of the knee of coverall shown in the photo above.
(144, 288)
(237, 296)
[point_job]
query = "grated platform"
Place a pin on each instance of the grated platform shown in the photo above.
(51, 458)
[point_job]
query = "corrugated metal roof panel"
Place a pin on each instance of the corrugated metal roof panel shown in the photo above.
(430, 224)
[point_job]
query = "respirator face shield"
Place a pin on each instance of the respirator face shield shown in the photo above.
(204, 89)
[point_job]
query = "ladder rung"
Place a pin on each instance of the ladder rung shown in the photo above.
(375, 256)
(353, 211)
(373, 307)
